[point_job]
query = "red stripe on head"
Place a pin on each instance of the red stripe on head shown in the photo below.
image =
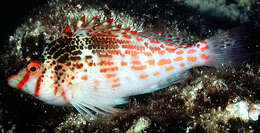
(37, 86)
(23, 81)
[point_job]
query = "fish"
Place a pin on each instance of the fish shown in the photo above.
(96, 65)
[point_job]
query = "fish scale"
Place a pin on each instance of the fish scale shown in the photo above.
(96, 65)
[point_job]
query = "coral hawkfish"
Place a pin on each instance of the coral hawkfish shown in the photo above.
(96, 65)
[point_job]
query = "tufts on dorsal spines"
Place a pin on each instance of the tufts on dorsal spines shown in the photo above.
(95, 27)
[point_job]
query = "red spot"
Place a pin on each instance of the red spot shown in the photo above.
(144, 76)
(116, 80)
(23, 81)
(176, 41)
(127, 30)
(79, 66)
(133, 32)
(146, 44)
(204, 56)
(179, 52)
(138, 68)
(181, 45)
(63, 94)
(139, 39)
(147, 54)
(203, 42)
(126, 36)
(75, 27)
(169, 44)
(188, 46)
(154, 41)
(161, 52)
(85, 77)
(72, 78)
(153, 49)
(67, 29)
(55, 91)
(167, 69)
(115, 85)
(83, 18)
(110, 75)
(151, 62)
(162, 46)
(162, 35)
(204, 48)
(95, 17)
(191, 58)
(112, 69)
(156, 74)
(37, 86)
(103, 70)
(171, 50)
(191, 51)
(164, 62)
(123, 63)
(132, 53)
(178, 59)
(136, 62)
(182, 64)
(110, 21)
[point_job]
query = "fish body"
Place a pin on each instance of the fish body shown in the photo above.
(96, 65)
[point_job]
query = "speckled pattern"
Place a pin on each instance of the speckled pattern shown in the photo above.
(181, 107)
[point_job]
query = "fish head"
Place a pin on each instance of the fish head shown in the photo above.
(33, 79)
(26, 78)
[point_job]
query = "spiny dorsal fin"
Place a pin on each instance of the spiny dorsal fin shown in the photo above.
(94, 27)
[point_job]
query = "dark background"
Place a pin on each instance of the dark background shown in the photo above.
(13, 13)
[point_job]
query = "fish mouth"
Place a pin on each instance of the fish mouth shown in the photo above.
(12, 81)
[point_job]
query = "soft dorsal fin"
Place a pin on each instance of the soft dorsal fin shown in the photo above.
(168, 38)
(94, 27)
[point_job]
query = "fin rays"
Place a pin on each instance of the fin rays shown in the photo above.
(94, 27)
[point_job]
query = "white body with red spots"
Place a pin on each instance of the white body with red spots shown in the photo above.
(121, 64)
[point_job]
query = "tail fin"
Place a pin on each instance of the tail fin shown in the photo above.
(227, 49)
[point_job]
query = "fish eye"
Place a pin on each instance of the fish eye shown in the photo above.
(33, 67)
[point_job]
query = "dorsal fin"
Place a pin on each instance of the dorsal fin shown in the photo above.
(170, 39)
(94, 27)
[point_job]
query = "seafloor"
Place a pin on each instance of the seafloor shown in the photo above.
(199, 103)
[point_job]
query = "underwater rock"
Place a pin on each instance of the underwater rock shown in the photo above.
(222, 9)
(207, 100)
